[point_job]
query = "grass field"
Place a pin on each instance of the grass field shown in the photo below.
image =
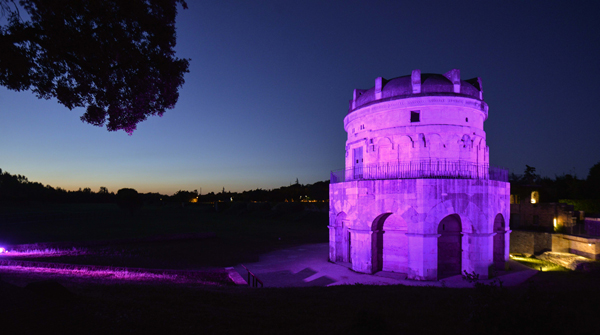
(238, 237)
(551, 302)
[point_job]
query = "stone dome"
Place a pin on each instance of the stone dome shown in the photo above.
(418, 84)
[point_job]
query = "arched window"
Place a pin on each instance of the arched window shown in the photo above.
(535, 197)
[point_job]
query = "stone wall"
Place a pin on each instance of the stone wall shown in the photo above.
(529, 242)
(541, 216)
(394, 225)
(584, 246)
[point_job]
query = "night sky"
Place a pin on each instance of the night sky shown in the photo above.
(270, 81)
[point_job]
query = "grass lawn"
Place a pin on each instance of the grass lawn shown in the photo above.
(238, 238)
(551, 302)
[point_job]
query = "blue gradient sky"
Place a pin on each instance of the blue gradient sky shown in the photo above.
(270, 81)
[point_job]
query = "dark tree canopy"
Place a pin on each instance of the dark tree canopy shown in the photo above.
(113, 57)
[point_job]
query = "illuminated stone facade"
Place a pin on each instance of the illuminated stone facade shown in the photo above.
(417, 195)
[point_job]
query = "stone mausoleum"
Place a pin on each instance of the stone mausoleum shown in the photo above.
(418, 195)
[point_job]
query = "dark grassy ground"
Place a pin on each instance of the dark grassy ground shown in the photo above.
(239, 236)
(552, 302)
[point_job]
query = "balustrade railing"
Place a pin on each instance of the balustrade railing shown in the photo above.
(253, 279)
(421, 169)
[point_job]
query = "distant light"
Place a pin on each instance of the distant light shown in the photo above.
(2, 250)
(588, 244)
(533, 200)
(554, 222)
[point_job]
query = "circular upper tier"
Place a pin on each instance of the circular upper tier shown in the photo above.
(417, 84)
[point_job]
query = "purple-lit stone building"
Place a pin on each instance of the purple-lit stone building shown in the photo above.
(418, 195)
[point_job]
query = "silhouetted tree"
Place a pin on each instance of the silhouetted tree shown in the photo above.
(113, 57)
(593, 182)
(183, 196)
(128, 199)
(530, 176)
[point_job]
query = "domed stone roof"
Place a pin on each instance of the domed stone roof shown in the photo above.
(409, 86)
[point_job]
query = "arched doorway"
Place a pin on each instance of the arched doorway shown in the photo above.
(499, 242)
(377, 242)
(389, 244)
(449, 247)
(340, 238)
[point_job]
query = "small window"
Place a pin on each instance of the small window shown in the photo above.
(515, 199)
(415, 116)
(535, 197)
(467, 119)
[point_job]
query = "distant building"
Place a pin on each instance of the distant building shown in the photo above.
(417, 195)
(529, 211)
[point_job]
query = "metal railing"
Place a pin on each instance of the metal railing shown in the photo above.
(440, 169)
(252, 279)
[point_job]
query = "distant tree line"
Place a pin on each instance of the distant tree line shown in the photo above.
(17, 188)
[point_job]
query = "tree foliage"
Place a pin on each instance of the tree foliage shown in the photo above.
(129, 199)
(113, 57)
(593, 181)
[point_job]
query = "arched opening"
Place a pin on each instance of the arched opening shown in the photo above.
(389, 244)
(449, 247)
(377, 242)
(340, 238)
(385, 151)
(499, 242)
(535, 197)
(347, 252)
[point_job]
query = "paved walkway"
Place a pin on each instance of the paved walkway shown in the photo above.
(307, 265)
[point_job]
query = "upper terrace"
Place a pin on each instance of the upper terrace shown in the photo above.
(440, 169)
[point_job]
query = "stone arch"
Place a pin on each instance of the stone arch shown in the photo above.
(463, 208)
(449, 247)
(499, 242)
(385, 150)
(422, 141)
(465, 142)
(385, 141)
(435, 144)
(341, 238)
(481, 150)
(405, 144)
(389, 244)
(377, 242)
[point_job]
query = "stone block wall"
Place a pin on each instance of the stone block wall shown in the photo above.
(541, 215)
(529, 242)
(584, 246)
(395, 225)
